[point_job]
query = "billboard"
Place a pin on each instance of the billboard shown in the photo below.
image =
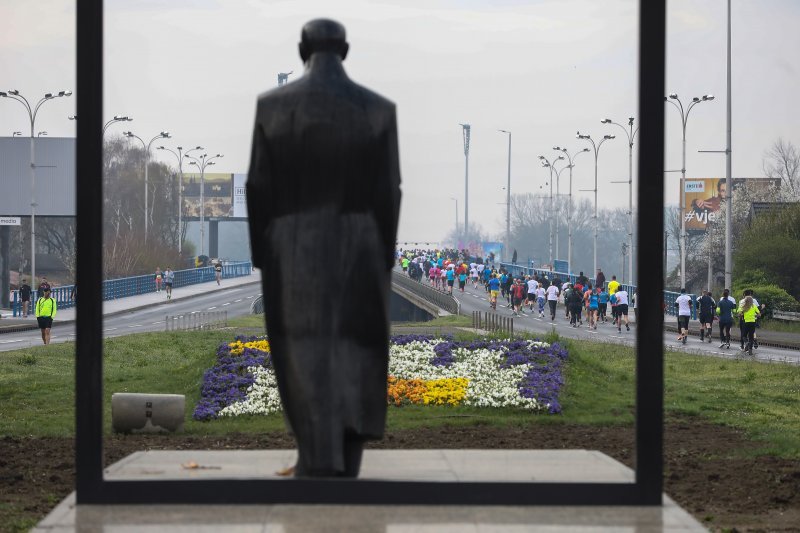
(223, 195)
(54, 192)
(703, 198)
(239, 196)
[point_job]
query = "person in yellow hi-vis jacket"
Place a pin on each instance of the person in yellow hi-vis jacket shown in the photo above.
(748, 313)
(45, 313)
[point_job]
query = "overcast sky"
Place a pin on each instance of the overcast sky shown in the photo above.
(542, 69)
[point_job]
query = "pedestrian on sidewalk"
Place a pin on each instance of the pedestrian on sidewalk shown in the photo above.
(169, 277)
(218, 270)
(45, 313)
(25, 297)
(159, 278)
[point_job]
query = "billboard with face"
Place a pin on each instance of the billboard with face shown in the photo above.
(703, 198)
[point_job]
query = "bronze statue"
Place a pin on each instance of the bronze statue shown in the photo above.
(323, 198)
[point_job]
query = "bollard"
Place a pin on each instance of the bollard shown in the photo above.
(147, 413)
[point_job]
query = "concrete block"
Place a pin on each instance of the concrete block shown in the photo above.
(147, 413)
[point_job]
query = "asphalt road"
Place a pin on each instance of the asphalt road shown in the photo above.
(236, 301)
(477, 300)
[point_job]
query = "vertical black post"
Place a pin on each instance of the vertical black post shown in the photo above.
(649, 330)
(89, 206)
(5, 266)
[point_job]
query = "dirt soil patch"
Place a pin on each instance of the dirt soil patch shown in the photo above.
(707, 470)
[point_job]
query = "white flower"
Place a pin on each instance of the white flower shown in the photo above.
(489, 384)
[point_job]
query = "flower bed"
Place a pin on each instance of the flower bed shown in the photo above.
(422, 370)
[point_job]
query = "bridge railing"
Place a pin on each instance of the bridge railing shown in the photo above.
(669, 296)
(136, 285)
(440, 299)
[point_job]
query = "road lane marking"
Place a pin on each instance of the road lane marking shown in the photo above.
(223, 305)
(210, 308)
(109, 329)
(237, 301)
(156, 323)
(7, 342)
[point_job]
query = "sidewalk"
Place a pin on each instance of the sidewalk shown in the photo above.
(9, 324)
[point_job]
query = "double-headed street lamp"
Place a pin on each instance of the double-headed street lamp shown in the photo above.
(684, 112)
(117, 118)
(596, 147)
(180, 155)
(33, 110)
(146, 146)
(571, 159)
(201, 163)
(630, 132)
(546, 163)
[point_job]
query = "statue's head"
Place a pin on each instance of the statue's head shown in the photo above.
(323, 35)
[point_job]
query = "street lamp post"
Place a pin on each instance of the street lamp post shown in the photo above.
(465, 130)
(201, 163)
(146, 146)
(630, 132)
(684, 112)
(180, 155)
(596, 153)
(456, 201)
(546, 163)
(571, 159)
(17, 133)
(33, 110)
(508, 200)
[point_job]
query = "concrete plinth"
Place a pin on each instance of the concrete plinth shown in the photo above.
(420, 465)
(147, 413)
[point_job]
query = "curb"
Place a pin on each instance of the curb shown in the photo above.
(761, 341)
(31, 327)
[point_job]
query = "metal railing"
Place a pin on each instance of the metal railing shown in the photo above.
(257, 306)
(785, 315)
(438, 298)
(669, 296)
(136, 285)
(492, 322)
(196, 321)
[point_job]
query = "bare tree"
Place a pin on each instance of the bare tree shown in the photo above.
(782, 161)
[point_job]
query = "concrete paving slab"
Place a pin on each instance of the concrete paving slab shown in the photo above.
(432, 465)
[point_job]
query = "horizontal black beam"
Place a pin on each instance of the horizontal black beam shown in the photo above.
(362, 492)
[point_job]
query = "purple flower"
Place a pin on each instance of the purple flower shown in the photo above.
(227, 381)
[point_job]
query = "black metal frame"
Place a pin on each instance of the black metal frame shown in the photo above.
(93, 488)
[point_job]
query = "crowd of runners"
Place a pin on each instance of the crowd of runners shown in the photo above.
(534, 294)
(541, 294)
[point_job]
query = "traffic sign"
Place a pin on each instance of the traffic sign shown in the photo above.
(9, 221)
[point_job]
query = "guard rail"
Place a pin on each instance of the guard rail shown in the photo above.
(440, 299)
(135, 285)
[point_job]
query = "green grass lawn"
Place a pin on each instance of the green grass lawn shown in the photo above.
(36, 389)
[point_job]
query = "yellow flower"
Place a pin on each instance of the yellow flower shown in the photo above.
(450, 391)
(237, 347)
